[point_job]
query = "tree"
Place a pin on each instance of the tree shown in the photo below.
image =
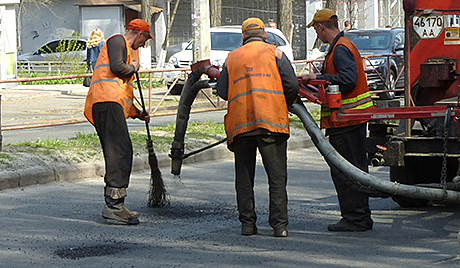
(26, 9)
(284, 18)
(332, 4)
(146, 14)
(161, 61)
(215, 12)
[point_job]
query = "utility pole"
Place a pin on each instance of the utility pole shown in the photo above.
(201, 35)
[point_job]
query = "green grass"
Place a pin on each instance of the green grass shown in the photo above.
(87, 147)
(295, 120)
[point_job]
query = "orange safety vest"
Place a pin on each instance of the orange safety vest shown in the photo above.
(255, 92)
(357, 99)
(107, 87)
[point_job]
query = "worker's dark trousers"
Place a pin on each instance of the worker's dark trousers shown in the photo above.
(353, 205)
(273, 152)
(111, 127)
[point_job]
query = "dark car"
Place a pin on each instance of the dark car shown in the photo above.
(388, 41)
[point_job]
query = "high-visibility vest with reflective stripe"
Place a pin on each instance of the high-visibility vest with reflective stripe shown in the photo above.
(357, 99)
(107, 87)
(255, 92)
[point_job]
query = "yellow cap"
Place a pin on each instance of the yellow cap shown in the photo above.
(323, 15)
(252, 24)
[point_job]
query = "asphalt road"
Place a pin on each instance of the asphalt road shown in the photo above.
(59, 225)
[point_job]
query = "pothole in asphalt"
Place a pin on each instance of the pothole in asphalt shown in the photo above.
(89, 251)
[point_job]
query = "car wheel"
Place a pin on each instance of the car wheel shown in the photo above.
(390, 94)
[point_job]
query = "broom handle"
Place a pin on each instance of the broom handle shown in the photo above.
(143, 105)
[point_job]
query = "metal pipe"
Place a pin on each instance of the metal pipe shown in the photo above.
(393, 188)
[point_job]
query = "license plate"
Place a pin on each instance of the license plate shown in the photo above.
(428, 27)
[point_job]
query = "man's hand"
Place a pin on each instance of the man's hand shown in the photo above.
(144, 116)
(136, 65)
(307, 78)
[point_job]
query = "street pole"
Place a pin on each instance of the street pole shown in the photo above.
(1, 137)
(201, 35)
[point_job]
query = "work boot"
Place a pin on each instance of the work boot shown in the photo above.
(119, 214)
(280, 232)
(346, 226)
(248, 229)
(115, 210)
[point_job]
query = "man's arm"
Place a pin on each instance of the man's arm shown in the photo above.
(222, 83)
(347, 72)
(116, 48)
(288, 77)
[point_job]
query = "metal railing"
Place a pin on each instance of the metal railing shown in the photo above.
(216, 102)
(49, 67)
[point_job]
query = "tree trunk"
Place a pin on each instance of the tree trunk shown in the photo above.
(332, 4)
(215, 12)
(162, 59)
(284, 18)
(146, 14)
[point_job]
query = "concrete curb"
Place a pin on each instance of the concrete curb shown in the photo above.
(67, 172)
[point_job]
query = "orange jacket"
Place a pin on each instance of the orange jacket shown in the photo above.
(107, 87)
(255, 92)
(357, 99)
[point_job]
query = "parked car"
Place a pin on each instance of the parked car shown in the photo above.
(386, 41)
(224, 39)
(57, 50)
(378, 42)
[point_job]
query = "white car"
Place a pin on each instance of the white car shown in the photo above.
(224, 39)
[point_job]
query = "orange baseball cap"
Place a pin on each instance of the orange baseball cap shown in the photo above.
(325, 14)
(140, 25)
(252, 24)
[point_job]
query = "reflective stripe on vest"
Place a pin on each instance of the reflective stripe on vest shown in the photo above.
(107, 87)
(357, 99)
(255, 92)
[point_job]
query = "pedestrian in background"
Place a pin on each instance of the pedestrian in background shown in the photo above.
(94, 46)
(346, 25)
(343, 67)
(272, 24)
(260, 85)
(108, 104)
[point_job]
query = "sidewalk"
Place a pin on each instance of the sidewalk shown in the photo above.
(26, 106)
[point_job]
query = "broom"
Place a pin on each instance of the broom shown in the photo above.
(158, 196)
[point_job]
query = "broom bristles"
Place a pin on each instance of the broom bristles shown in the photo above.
(158, 196)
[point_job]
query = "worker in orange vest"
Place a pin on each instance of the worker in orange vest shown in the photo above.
(260, 85)
(108, 104)
(343, 67)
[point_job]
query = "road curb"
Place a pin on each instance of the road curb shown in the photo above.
(73, 172)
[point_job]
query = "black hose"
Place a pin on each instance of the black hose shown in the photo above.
(188, 95)
(393, 188)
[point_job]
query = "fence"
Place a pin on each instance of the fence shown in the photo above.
(49, 67)
(216, 103)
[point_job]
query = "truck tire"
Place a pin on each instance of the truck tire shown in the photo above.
(403, 175)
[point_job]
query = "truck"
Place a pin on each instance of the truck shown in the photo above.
(417, 138)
